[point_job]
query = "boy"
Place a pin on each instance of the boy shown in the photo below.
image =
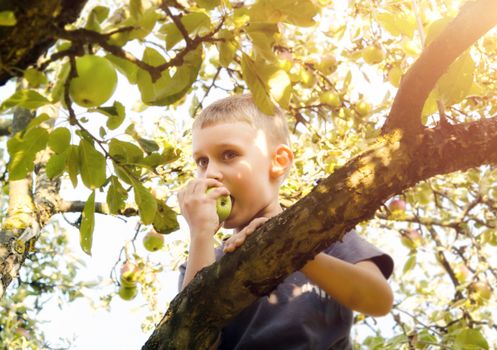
(244, 153)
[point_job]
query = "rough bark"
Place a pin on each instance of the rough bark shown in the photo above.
(37, 21)
(405, 155)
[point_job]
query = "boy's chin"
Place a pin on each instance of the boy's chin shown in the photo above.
(228, 224)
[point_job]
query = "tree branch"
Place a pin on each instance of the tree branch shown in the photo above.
(474, 20)
(100, 208)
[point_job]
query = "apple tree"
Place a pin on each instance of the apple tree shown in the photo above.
(392, 108)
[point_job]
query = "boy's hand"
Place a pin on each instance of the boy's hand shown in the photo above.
(199, 208)
(238, 238)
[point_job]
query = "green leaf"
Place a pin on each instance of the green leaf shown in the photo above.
(208, 4)
(136, 8)
(58, 89)
(125, 152)
(125, 67)
(34, 77)
(145, 23)
(72, 164)
(37, 121)
(296, 12)
(87, 224)
(59, 140)
(155, 159)
(97, 15)
(23, 150)
(397, 22)
(92, 165)
(28, 99)
(227, 48)
(256, 86)
(151, 91)
(456, 84)
(167, 90)
(410, 264)
(56, 164)
(184, 77)
(7, 18)
(147, 204)
(116, 196)
(470, 339)
(148, 146)
(165, 220)
(262, 35)
(116, 114)
(277, 80)
(195, 23)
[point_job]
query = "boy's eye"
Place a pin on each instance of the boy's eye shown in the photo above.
(229, 155)
(202, 162)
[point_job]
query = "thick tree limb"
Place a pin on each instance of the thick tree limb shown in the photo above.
(285, 243)
(37, 21)
(474, 20)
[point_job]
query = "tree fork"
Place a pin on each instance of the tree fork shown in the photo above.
(474, 20)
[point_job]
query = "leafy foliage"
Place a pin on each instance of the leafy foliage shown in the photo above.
(334, 76)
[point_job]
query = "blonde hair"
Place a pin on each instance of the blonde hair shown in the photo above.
(241, 108)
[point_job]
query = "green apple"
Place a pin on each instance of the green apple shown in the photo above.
(307, 78)
(129, 275)
(223, 206)
(153, 241)
(328, 64)
(127, 293)
(373, 54)
(363, 108)
(330, 98)
(95, 83)
(480, 291)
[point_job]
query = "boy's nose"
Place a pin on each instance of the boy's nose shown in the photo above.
(213, 172)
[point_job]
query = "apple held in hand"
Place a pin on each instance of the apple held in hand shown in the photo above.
(153, 241)
(95, 83)
(223, 206)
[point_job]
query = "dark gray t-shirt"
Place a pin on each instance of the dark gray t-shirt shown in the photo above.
(298, 315)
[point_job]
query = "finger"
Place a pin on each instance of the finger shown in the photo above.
(217, 192)
(205, 184)
(255, 224)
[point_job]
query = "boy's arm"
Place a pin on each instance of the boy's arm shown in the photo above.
(360, 287)
(199, 210)
(200, 255)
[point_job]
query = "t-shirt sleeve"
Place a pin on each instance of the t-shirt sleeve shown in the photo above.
(354, 249)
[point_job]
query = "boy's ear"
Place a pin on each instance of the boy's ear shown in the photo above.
(281, 161)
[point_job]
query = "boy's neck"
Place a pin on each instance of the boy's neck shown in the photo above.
(271, 210)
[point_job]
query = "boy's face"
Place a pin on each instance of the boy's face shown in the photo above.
(238, 155)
